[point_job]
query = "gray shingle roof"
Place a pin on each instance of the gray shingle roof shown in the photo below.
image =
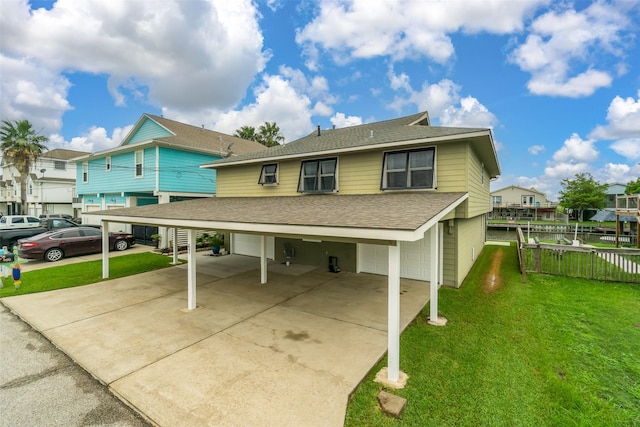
(390, 211)
(62, 154)
(204, 139)
(409, 128)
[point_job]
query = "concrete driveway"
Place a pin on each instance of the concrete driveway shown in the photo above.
(286, 353)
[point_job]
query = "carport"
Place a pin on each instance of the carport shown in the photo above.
(380, 219)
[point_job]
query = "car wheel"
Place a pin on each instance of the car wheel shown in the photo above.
(54, 254)
(121, 245)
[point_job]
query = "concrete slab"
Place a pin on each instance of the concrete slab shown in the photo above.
(227, 381)
(285, 353)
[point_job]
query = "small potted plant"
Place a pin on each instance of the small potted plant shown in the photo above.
(156, 240)
(213, 241)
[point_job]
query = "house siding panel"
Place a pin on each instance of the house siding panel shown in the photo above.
(122, 172)
(179, 171)
(470, 238)
(358, 173)
(479, 192)
(451, 167)
(147, 131)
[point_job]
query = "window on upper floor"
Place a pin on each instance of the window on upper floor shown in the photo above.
(107, 163)
(408, 169)
(139, 158)
(269, 174)
(318, 176)
(59, 165)
(85, 172)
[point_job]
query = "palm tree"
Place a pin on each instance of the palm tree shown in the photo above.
(269, 135)
(246, 132)
(22, 147)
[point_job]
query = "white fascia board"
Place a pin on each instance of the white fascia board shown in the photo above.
(383, 146)
(271, 229)
(434, 221)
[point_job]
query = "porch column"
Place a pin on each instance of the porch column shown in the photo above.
(175, 246)
(191, 269)
(105, 250)
(263, 259)
(433, 280)
(393, 333)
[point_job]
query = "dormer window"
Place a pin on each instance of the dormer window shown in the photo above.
(411, 169)
(269, 174)
(318, 176)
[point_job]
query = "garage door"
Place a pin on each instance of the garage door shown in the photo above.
(414, 259)
(91, 219)
(249, 244)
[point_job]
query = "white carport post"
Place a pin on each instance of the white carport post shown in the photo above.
(191, 270)
(435, 268)
(175, 246)
(105, 250)
(393, 333)
(263, 259)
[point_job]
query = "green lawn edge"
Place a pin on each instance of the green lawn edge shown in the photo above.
(554, 351)
(83, 273)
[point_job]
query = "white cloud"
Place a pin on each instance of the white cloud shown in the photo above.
(185, 54)
(575, 150)
(471, 113)
(536, 149)
(30, 90)
(623, 116)
(629, 148)
(564, 45)
(276, 100)
(619, 173)
(96, 139)
(339, 120)
(404, 28)
(435, 98)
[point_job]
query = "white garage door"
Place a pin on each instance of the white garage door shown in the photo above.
(414, 259)
(89, 219)
(249, 244)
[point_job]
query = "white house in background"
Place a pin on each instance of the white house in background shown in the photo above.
(50, 185)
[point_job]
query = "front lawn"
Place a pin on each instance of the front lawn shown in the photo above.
(83, 273)
(554, 351)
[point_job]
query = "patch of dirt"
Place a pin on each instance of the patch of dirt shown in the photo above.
(493, 279)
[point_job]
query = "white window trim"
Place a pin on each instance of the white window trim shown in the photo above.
(107, 163)
(383, 178)
(135, 164)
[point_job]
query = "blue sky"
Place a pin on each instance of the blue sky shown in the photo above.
(557, 82)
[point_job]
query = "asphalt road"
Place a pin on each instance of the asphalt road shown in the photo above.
(41, 386)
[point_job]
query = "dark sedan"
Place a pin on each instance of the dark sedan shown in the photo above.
(55, 245)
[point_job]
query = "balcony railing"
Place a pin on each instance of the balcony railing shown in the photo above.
(628, 204)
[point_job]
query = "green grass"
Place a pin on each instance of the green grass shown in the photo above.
(552, 352)
(83, 273)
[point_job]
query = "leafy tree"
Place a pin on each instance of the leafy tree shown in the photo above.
(269, 135)
(633, 187)
(246, 132)
(22, 147)
(582, 192)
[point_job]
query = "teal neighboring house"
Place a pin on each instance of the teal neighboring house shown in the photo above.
(157, 162)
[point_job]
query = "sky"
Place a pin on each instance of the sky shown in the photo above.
(557, 82)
